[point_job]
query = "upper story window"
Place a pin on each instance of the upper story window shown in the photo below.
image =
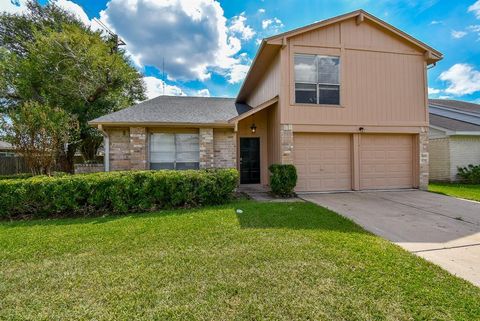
(317, 79)
(174, 151)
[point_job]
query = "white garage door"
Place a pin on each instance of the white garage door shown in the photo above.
(323, 161)
(386, 161)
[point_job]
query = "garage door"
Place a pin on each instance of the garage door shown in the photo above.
(386, 161)
(323, 162)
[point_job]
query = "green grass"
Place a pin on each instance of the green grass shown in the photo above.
(276, 261)
(466, 191)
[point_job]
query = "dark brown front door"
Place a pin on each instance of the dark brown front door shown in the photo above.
(250, 160)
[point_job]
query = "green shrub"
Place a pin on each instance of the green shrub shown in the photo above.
(114, 192)
(283, 179)
(470, 173)
(16, 176)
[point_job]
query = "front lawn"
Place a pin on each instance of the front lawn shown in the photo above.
(275, 261)
(466, 191)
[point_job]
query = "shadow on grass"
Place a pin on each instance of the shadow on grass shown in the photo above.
(297, 216)
(101, 219)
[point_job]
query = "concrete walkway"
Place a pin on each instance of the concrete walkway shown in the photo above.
(441, 229)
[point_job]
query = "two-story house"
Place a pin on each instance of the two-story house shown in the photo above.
(344, 100)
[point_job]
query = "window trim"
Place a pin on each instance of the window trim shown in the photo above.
(174, 133)
(326, 52)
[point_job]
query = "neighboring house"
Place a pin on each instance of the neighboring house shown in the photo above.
(344, 100)
(6, 149)
(454, 137)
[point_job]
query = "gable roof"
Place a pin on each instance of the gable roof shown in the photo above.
(454, 116)
(272, 45)
(177, 110)
(456, 105)
(452, 124)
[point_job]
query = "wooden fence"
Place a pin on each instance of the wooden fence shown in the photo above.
(12, 165)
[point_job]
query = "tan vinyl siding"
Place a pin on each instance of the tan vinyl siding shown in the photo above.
(382, 79)
(273, 119)
(439, 152)
(268, 86)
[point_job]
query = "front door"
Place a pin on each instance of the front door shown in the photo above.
(250, 160)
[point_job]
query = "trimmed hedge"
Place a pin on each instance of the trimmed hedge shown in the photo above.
(114, 192)
(283, 179)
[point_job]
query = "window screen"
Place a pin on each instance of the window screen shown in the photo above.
(174, 151)
(317, 79)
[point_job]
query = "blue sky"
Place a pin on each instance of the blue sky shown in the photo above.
(208, 45)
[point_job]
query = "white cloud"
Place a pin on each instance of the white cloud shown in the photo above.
(19, 6)
(193, 36)
(266, 23)
(433, 91)
(12, 6)
(261, 10)
(445, 97)
(458, 34)
(475, 8)
(462, 79)
(274, 24)
(475, 28)
(203, 93)
(157, 87)
(75, 9)
(238, 73)
(238, 26)
(436, 22)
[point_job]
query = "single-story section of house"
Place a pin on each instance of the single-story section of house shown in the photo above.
(454, 139)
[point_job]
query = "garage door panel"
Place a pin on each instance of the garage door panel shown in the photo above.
(386, 161)
(323, 161)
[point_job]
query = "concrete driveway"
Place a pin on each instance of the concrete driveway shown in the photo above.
(441, 229)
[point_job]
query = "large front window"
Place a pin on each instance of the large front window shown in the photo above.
(317, 79)
(174, 151)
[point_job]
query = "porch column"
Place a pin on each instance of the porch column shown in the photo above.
(206, 147)
(138, 148)
(286, 143)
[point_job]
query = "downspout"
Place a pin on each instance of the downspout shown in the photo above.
(106, 148)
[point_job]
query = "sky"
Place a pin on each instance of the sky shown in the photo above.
(207, 46)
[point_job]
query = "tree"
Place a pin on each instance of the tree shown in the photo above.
(38, 132)
(52, 58)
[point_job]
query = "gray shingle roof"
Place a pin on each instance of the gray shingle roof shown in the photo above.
(457, 105)
(452, 124)
(177, 109)
(5, 145)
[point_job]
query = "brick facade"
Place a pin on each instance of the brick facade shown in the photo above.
(439, 154)
(138, 148)
(423, 158)
(88, 168)
(129, 148)
(119, 139)
(206, 147)
(286, 143)
(224, 148)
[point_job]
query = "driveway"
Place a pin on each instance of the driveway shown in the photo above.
(441, 229)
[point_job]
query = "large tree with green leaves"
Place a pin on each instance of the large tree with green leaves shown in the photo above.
(47, 55)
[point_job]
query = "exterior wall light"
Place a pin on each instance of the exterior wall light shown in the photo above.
(253, 128)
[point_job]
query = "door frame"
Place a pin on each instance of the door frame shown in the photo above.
(259, 158)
